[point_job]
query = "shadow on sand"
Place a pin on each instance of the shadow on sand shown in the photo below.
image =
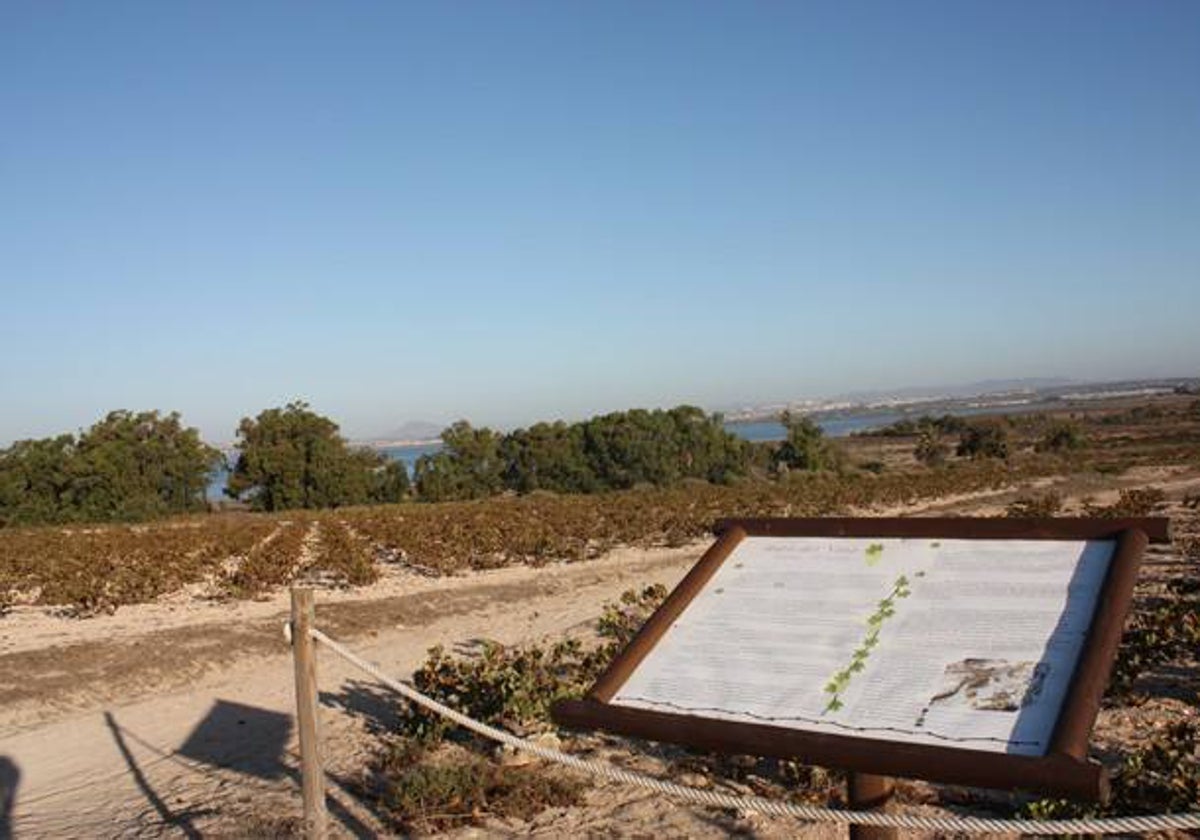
(10, 777)
(232, 737)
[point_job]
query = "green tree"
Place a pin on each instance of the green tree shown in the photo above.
(137, 466)
(1061, 436)
(128, 466)
(805, 446)
(437, 478)
(37, 481)
(930, 450)
(547, 456)
(626, 448)
(292, 457)
(983, 440)
(469, 466)
(389, 478)
(706, 449)
(477, 454)
(612, 451)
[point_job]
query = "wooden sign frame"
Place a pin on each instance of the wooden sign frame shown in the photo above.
(1065, 769)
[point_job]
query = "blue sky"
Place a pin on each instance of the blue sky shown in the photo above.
(515, 211)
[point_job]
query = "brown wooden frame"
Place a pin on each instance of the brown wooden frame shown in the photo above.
(1065, 770)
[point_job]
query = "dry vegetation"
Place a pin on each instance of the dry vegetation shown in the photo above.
(90, 569)
(242, 555)
(430, 779)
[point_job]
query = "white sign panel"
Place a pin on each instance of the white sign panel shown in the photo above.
(967, 643)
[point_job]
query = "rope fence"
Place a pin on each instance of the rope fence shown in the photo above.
(758, 804)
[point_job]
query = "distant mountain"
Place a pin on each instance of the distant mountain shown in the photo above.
(414, 430)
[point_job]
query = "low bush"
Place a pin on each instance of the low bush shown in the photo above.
(1036, 505)
(424, 792)
(930, 450)
(515, 686)
(271, 563)
(426, 784)
(344, 556)
(1157, 635)
(1137, 501)
(620, 621)
(1160, 776)
(983, 440)
(1062, 436)
(511, 687)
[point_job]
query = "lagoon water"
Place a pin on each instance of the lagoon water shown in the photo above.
(769, 430)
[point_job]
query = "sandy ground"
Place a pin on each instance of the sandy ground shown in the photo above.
(117, 734)
(175, 718)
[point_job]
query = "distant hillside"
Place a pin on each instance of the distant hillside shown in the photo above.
(969, 389)
(414, 430)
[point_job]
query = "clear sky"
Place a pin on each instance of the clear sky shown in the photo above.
(510, 211)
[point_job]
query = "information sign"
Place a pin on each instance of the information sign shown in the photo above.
(969, 651)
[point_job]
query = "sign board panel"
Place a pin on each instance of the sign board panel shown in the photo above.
(967, 642)
(899, 649)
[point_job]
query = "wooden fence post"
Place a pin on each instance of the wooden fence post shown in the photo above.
(304, 656)
(866, 791)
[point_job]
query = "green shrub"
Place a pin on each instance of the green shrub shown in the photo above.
(806, 447)
(1062, 436)
(930, 450)
(983, 440)
(512, 687)
(515, 686)
(947, 424)
(620, 621)
(1154, 637)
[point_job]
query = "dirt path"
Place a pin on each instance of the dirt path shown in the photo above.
(153, 734)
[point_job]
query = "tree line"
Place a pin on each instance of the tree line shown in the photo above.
(610, 452)
(131, 467)
(125, 467)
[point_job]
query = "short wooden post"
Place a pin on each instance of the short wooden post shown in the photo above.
(866, 791)
(304, 656)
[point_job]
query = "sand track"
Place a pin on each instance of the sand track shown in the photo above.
(158, 733)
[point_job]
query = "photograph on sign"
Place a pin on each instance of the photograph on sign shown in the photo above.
(968, 643)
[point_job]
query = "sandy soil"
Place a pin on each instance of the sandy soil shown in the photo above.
(175, 718)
